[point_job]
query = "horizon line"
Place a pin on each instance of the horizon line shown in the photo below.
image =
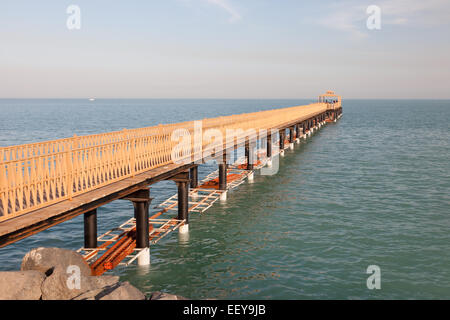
(343, 98)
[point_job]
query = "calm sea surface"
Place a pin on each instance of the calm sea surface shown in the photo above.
(372, 189)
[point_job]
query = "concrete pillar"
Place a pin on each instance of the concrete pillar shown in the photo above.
(90, 229)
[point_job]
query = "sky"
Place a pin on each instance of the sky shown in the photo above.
(224, 49)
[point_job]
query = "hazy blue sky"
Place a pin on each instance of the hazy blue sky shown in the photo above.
(224, 49)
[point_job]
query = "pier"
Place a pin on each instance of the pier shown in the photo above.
(46, 183)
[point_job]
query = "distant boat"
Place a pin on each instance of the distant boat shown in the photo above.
(91, 99)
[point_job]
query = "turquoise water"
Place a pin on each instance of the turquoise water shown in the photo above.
(372, 189)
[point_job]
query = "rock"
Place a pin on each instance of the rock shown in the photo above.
(118, 291)
(59, 274)
(21, 285)
(125, 291)
(158, 295)
(47, 259)
(89, 295)
(61, 285)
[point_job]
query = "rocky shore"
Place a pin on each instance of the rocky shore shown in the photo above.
(59, 274)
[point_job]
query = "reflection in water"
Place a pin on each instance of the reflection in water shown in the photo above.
(183, 238)
(144, 270)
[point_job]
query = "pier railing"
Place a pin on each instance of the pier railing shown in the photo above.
(40, 174)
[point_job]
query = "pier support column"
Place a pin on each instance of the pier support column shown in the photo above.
(282, 137)
(182, 180)
(223, 177)
(193, 175)
(183, 204)
(90, 229)
(291, 138)
(297, 133)
(269, 150)
(249, 155)
(141, 202)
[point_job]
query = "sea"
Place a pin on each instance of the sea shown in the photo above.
(369, 192)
